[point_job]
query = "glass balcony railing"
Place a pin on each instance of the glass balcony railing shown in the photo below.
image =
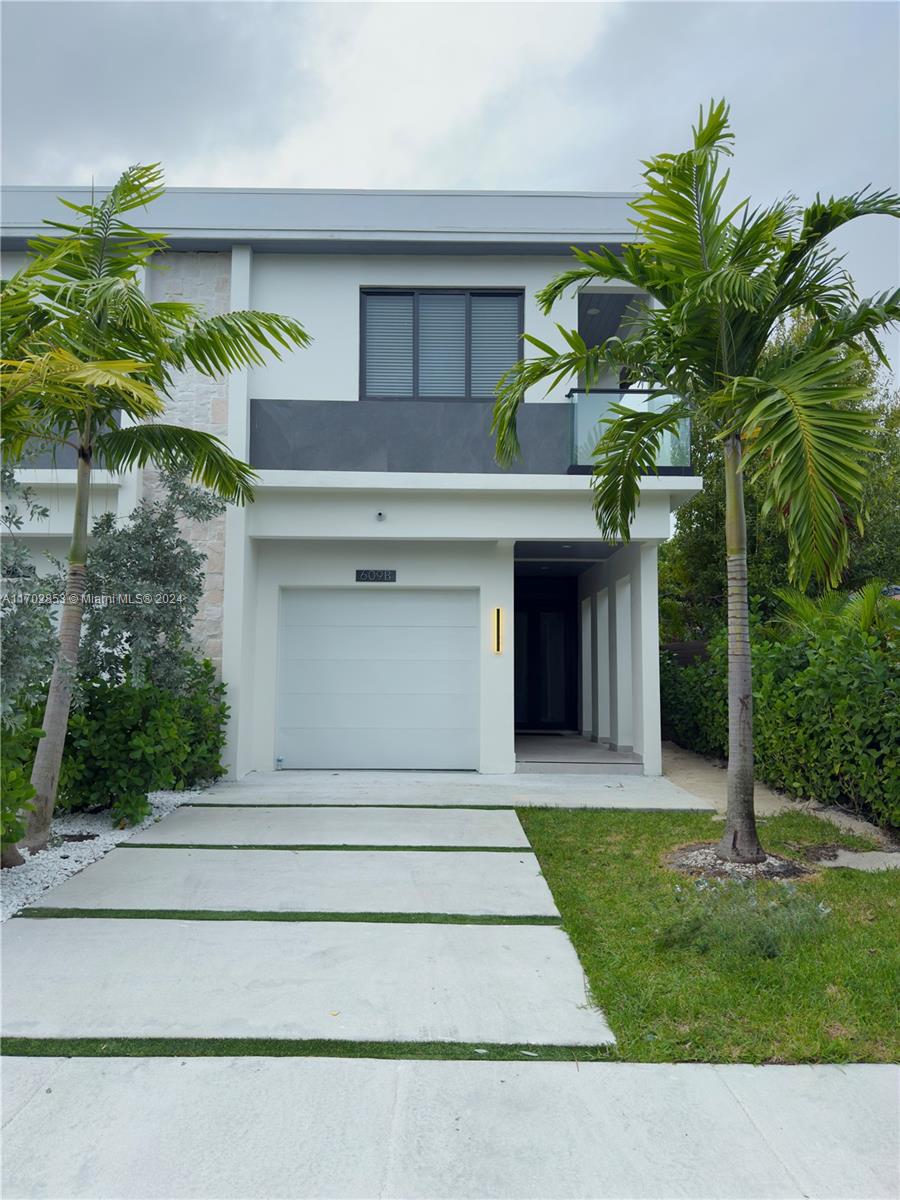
(590, 408)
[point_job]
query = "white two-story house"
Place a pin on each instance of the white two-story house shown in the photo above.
(393, 599)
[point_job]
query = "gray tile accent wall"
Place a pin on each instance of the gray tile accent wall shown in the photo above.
(401, 435)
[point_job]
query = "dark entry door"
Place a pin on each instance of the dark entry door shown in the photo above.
(546, 650)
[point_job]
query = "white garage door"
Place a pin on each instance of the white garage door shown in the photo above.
(378, 679)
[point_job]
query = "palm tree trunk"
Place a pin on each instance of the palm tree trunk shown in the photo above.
(740, 841)
(48, 759)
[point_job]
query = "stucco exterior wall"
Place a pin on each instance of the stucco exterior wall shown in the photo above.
(322, 292)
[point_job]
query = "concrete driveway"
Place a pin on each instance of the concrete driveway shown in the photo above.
(331, 921)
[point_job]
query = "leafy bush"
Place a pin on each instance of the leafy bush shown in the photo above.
(16, 791)
(126, 741)
(739, 919)
(826, 712)
(695, 701)
(27, 630)
(147, 558)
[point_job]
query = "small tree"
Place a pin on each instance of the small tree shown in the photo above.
(27, 651)
(154, 578)
(87, 363)
(721, 282)
(27, 634)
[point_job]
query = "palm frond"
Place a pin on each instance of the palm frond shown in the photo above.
(628, 449)
(60, 380)
(802, 437)
(219, 344)
(853, 322)
(600, 264)
(553, 368)
(206, 459)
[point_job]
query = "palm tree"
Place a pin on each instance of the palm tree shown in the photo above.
(870, 610)
(720, 282)
(88, 361)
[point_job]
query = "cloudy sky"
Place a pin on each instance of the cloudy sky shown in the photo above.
(457, 95)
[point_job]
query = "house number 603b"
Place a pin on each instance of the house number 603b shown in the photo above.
(370, 575)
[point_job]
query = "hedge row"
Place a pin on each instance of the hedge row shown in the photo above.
(826, 715)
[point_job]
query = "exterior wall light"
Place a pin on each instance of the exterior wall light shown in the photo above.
(497, 631)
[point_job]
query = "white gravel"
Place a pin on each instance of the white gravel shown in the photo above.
(703, 859)
(41, 872)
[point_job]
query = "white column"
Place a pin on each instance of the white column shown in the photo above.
(645, 658)
(588, 666)
(498, 717)
(239, 591)
(601, 667)
(620, 667)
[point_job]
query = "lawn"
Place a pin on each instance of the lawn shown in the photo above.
(830, 995)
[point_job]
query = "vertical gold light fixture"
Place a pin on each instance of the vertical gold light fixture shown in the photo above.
(497, 631)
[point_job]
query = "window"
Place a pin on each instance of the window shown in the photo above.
(438, 345)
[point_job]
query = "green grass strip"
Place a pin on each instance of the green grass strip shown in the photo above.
(316, 846)
(205, 914)
(123, 1047)
(300, 804)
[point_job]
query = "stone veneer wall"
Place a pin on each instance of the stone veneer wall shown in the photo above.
(201, 403)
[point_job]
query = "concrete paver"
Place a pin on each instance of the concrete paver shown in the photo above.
(355, 881)
(87, 977)
(447, 788)
(864, 860)
(260, 826)
(223, 1128)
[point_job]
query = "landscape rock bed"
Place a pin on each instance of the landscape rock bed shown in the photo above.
(701, 860)
(76, 840)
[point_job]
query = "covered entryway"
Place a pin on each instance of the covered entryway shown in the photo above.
(378, 677)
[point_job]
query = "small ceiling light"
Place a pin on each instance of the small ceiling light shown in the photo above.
(593, 312)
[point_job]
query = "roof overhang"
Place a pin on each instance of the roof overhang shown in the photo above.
(350, 222)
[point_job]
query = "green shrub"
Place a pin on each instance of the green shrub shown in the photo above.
(826, 713)
(16, 792)
(125, 741)
(695, 701)
(741, 919)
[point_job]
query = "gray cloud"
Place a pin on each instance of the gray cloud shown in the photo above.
(548, 96)
(89, 85)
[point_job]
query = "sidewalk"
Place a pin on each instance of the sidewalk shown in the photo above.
(267, 1128)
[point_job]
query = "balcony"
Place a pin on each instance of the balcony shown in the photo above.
(591, 407)
(438, 435)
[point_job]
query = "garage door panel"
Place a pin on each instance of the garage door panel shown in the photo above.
(358, 749)
(369, 643)
(379, 677)
(371, 607)
(421, 710)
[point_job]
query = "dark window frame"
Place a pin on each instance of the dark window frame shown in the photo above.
(416, 292)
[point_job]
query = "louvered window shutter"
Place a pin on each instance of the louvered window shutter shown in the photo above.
(389, 345)
(495, 340)
(442, 345)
